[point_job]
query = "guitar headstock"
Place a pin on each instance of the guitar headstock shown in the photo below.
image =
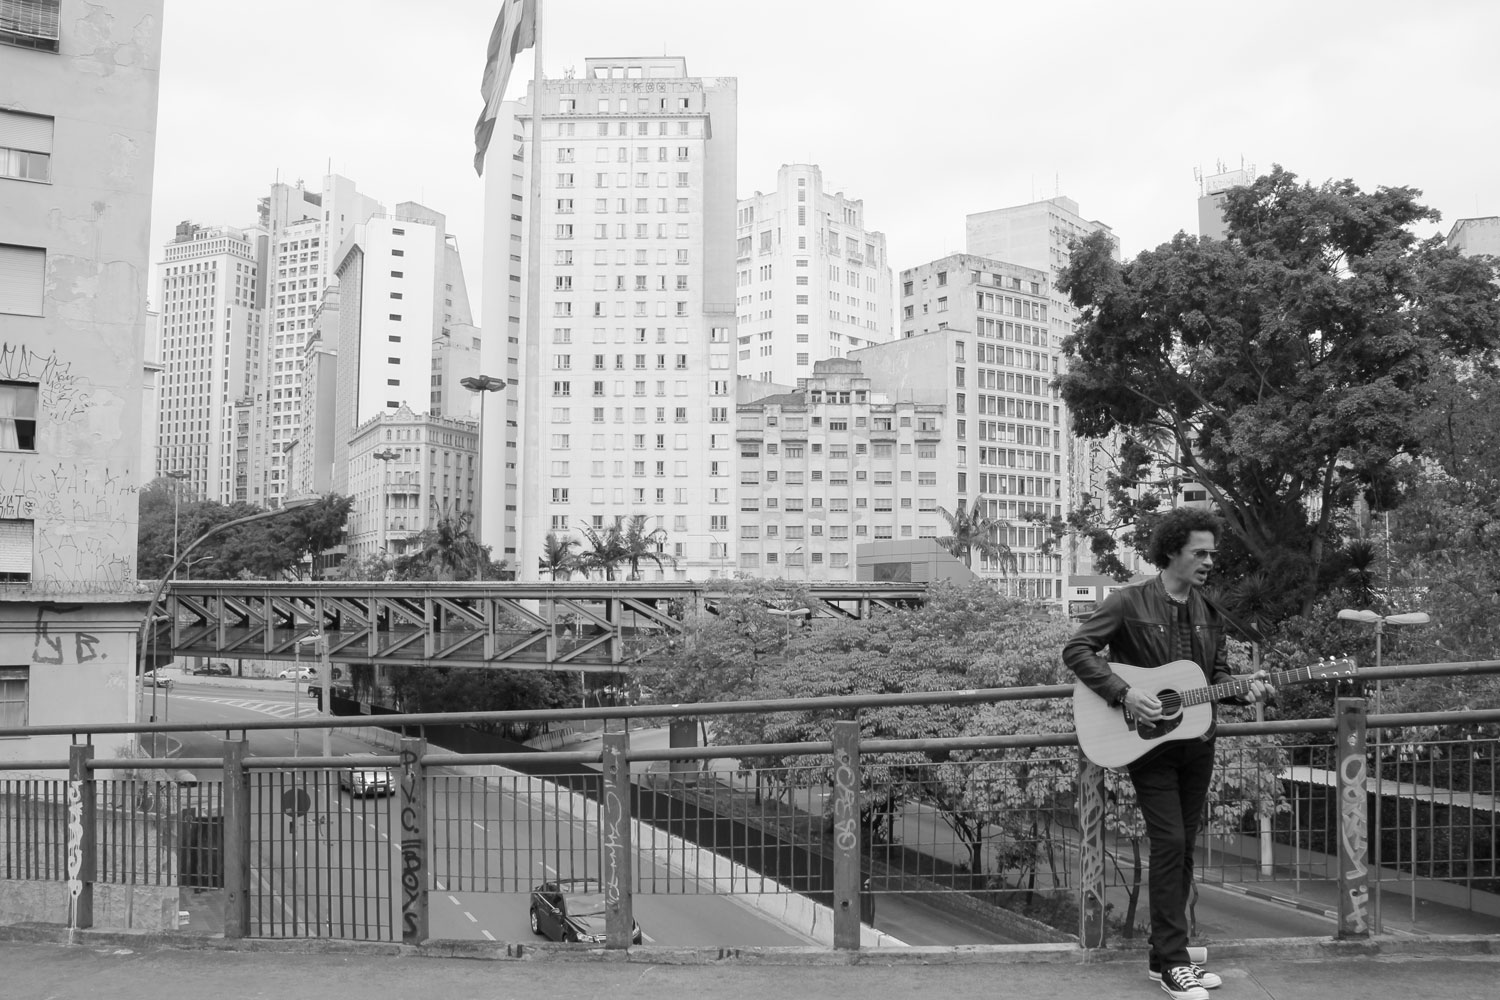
(1342, 668)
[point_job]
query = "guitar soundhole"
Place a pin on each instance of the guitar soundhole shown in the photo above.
(1171, 718)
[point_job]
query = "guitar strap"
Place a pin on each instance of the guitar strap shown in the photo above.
(1249, 631)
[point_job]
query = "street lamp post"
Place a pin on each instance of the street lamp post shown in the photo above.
(172, 569)
(178, 475)
(386, 456)
(1369, 617)
(482, 384)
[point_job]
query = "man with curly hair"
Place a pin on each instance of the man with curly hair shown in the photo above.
(1149, 624)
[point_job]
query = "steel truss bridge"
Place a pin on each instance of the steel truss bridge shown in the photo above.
(595, 627)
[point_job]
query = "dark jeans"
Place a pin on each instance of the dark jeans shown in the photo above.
(1171, 787)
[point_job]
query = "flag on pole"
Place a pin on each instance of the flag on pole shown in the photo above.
(515, 29)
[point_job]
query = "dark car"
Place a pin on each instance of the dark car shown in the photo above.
(212, 670)
(572, 910)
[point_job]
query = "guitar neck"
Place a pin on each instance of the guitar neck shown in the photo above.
(1241, 685)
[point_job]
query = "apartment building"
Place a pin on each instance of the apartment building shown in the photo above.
(830, 466)
(812, 280)
(77, 142)
(212, 351)
(626, 357)
(975, 338)
(407, 471)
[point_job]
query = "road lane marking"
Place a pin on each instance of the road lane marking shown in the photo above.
(455, 900)
(480, 827)
(488, 936)
(471, 917)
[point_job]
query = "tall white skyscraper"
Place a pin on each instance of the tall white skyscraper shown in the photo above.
(211, 353)
(812, 279)
(305, 227)
(626, 377)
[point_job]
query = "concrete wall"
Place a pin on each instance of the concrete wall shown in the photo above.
(116, 907)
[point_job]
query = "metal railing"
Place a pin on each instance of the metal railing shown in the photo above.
(1012, 823)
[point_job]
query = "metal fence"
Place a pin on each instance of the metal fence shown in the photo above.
(1010, 821)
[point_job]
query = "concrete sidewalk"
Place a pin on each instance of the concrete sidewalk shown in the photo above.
(129, 967)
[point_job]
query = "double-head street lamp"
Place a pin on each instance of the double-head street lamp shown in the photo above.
(177, 561)
(387, 456)
(482, 384)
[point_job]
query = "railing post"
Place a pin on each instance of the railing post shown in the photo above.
(81, 838)
(1353, 823)
(1091, 910)
(615, 821)
(846, 852)
(413, 805)
(236, 839)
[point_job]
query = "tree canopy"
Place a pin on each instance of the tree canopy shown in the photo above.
(261, 550)
(1280, 369)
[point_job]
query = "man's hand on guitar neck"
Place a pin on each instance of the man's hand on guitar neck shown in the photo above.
(1260, 688)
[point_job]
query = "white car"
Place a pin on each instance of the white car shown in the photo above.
(295, 674)
(365, 781)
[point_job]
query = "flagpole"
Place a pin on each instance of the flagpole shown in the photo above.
(531, 452)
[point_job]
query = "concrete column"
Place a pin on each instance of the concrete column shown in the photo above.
(414, 848)
(236, 841)
(81, 838)
(615, 821)
(1353, 823)
(1091, 924)
(846, 836)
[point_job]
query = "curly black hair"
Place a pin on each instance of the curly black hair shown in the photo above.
(1172, 531)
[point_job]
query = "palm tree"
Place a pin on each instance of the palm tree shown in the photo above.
(448, 546)
(605, 548)
(558, 556)
(641, 545)
(974, 529)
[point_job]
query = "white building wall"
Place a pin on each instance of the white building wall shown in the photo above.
(627, 390)
(812, 279)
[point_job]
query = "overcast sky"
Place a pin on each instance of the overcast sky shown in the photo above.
(927, 111)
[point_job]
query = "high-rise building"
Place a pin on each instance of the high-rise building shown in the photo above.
(398, 286)
(1038, 235)
(1211, 194)
(77, 148)
(626, 357)
(812, 279)
(211, 354)
(306, 228)
(975, 337)
(831, 466)
(1476, 236)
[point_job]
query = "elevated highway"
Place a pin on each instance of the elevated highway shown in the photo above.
(589, 626)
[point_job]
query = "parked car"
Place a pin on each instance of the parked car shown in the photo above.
(212, 670)
(154, 678)
(362, 781)
(572, 910)
(295, 674)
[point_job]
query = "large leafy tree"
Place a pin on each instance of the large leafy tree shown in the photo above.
(1282, 368)
(971, 529)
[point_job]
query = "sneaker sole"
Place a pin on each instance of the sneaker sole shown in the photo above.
(1156, 978)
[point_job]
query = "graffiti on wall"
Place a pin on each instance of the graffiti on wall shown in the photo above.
(79, 487)
(60, 645)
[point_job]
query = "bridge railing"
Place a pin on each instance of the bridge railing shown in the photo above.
(1013, 824)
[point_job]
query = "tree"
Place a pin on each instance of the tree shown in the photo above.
(260, 550)
(641, 544)
(606, 548)
(558, 560)
(1280, 369)
(448, 550)
(974, 529)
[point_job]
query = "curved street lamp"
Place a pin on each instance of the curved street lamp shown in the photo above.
(172, 569)
(482, 384)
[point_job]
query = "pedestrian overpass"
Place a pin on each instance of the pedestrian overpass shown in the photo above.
(588, 626)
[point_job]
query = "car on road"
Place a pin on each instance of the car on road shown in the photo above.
(212, 670)
(295, 674)
(155, 678)
(572, 910)
(361, 781)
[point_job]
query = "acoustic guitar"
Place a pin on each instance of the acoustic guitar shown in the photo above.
(1114, 737)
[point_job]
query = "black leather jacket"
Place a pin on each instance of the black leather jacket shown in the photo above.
(1134, 623)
